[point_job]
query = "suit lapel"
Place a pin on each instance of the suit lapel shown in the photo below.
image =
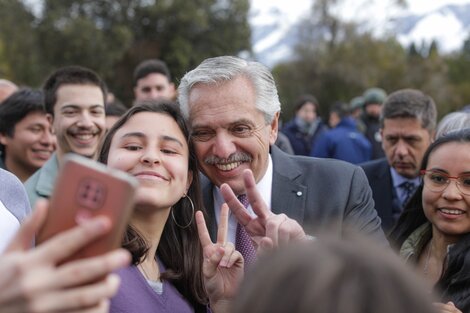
(383, 171)
(288, 196)
(385, 194)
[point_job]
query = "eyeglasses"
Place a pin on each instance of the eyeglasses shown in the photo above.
(438, 181)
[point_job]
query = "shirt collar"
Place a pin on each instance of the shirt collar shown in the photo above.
(399, 179)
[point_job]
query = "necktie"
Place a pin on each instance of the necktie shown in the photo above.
(409, 189)
(243, 241)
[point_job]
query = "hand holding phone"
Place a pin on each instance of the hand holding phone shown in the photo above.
(85, 189)
(35, 279)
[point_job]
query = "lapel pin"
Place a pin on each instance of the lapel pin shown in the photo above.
(299, 193)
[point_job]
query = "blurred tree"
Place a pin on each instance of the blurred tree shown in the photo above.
(112, 37)
(18, 45)
(413, 51)
(336, 60)
(5, 70)
(183, 33)
(459, 66)
(433, 50)
(428, 71)
(95, 34)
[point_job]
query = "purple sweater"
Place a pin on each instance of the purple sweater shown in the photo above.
(135, 295)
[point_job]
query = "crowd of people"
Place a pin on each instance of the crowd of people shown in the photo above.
(367, 212)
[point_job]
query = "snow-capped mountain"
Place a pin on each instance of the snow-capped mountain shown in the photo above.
(274, 28)
(448, 25)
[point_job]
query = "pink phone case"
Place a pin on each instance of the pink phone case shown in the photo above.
(85, 189)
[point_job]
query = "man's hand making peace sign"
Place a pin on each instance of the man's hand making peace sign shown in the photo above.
(267, 230)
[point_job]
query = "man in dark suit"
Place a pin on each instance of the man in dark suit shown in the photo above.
(233, 110)
(408, 122)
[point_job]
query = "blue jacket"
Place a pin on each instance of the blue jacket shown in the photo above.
(344, 142)
(302, 143)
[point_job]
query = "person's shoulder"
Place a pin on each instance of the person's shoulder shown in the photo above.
(13, 194)
(378, 163)
(289, 124)
(31, 186)
(204, 180)
(329, 132)
(129, 272)
(337, 165)
(7, 176)
(322, 164)
(9, 181)
(32, 181)
(289, 128)
(47, 172)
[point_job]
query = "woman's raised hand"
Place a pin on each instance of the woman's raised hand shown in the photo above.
(222, 266)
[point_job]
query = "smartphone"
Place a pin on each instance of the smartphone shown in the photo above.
(84, 189)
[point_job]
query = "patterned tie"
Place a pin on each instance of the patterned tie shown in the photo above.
(243, 241)
(409, 189)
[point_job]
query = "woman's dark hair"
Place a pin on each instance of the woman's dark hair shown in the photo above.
(454, 282)
(179, 249)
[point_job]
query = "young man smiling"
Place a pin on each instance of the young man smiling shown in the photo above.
(74, 98)
(26, 138)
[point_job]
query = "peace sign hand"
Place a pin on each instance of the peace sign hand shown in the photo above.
(266, 230)
(223, 265)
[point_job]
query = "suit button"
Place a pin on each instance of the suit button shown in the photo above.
(299, 193)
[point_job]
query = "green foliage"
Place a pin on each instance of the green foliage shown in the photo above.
(18, 60)
(80, 41)
(334, 60)
(112, 37)
(183, 33)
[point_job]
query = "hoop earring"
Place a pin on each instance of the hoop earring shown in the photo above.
(192, 214)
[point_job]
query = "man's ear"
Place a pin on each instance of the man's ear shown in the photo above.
(173, 91)
(3, 139)
(274, 129)
(50, 118)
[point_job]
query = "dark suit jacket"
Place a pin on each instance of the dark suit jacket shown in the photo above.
(380, 181)
(318, 193)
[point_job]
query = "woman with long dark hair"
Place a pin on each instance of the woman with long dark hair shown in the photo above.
(434, 230)
(151, 142)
